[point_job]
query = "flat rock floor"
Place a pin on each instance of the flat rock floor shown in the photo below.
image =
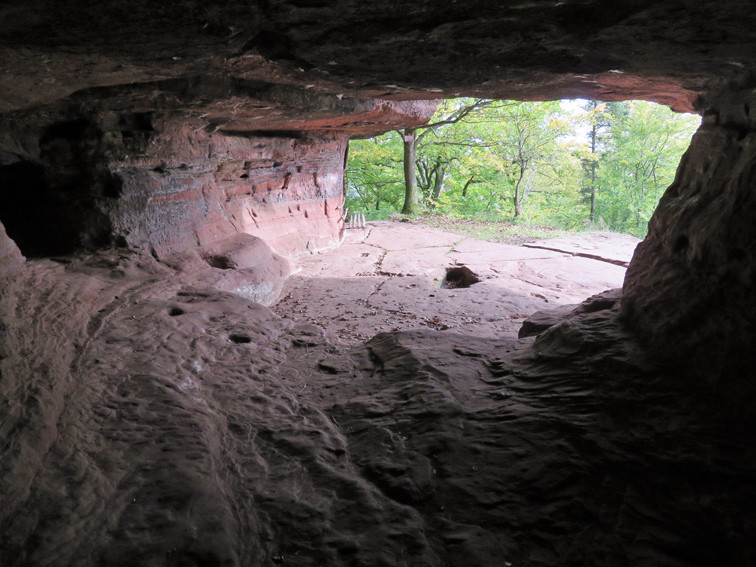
(389, 276)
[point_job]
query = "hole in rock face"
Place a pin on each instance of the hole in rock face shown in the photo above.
(175, 311)
(50, 204)
(681, 244)
(220, 262)
(40, 219)
(461, 276)
(739, 255)
(112, 186)
(239, 339)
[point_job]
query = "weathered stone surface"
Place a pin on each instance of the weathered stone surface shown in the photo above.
(165, 423)
(389, 276)
(288, 191)
(606, 246)
(545, 319)
(11, 259)
(242, 264)
(690, 289)
(91, 109)
(668, 51)
(149, 420)
(178, 172)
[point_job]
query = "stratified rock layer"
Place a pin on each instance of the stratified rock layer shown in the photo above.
(205, 188)
(178, 172)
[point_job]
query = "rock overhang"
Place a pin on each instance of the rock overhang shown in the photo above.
(665, 51)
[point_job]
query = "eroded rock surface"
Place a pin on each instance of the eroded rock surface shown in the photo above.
(174, 171)
(148, 417)
(690, 288)
(389, 277)
(164, 422)
(669, 51)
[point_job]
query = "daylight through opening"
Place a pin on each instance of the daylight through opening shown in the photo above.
(532, 206)
(527, 167)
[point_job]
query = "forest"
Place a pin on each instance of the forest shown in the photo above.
(573, 165)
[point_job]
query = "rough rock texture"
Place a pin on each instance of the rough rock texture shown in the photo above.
(163, 422)
(11, 259)
(176, 171)
(389, 277)
(691, 288)
(148, 417)
(132, 124)
(242, 264)
(671, 51)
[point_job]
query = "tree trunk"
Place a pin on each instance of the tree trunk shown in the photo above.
(411, 204)
(438, 184)
(594, 137)
(467, 184)
(518, 196)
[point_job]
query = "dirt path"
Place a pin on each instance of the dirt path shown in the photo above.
(389, 275)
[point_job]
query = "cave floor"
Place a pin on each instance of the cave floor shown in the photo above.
(388, 277)
(150, 418)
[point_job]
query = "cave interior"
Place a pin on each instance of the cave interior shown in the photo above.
(162, 165)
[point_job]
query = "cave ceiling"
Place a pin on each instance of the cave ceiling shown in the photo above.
(329, 57)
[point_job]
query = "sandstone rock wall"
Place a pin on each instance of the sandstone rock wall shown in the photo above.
(150, 418)
(691, 287)
(137, 126)
(194, 188)
(11, 259)
(170, 165)
(167, 187)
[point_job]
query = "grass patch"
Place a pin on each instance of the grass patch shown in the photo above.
(493, 231)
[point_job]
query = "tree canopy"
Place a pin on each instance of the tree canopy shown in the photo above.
(569, 164)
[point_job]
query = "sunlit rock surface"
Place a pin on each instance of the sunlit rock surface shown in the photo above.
(393, 276)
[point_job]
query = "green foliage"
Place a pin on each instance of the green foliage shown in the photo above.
(566, 165)
(639, 163)
(374, 178)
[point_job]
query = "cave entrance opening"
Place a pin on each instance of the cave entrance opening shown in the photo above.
(522, 167)
(48, 219)
(582, 168)
(50, 202)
